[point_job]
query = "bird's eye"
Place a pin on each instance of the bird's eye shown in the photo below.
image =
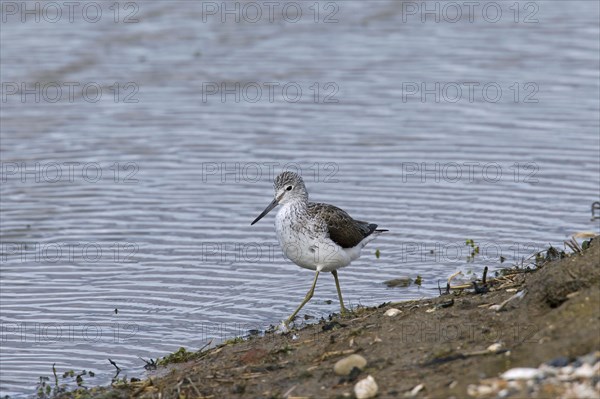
(289, 188)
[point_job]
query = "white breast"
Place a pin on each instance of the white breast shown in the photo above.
(304, 242)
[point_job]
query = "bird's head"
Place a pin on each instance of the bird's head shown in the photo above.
(289, 187)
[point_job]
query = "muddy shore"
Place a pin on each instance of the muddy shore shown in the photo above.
(434, 348)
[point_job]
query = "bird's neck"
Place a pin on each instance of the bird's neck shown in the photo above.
(297, 203)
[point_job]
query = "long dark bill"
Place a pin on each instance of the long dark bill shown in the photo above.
(268, 209)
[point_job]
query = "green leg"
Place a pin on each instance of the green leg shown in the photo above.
(306, 299)
(337, 285)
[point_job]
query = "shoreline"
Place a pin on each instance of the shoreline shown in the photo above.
(456, 345)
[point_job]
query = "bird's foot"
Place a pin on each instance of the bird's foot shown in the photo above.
(283, 327)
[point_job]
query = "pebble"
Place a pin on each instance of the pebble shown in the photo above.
(392, 312)
(578, 379)
(479, 390)
(561, 361)
(567, 370)
(584, 371)
(366, 388)
(548, 370)
(344, 366)
(591, 358)
(496, 347)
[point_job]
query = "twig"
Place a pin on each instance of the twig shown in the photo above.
(178, 386)
(518, 295)
(248, 376)
(144, 385)
(289, 391)
(574, 245)
(453, 276)
(115, 364)
(208, 343)
(194, 386)
(55, 377)
(203, 354)
(327, 355)
(150, 365)
(570, 272)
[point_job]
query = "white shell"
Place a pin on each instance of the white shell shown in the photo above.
(392, 312)
(522, 373)
(416, 390)
(366, 388)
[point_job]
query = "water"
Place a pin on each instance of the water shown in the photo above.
(164, 236)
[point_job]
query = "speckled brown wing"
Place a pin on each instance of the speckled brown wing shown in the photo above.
(342, 229)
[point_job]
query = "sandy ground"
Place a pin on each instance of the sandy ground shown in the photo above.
(442, 343)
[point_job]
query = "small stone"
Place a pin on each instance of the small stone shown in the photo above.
(582, 391)
(366, 388)
(344, 366)
(472, 390)
(567, 370)
(479, 390)
(584, 371)
(392, 312)
(548, 370)
(484, 390)
(560, 361)
(522, 373)
(496, 347)
(589, 359)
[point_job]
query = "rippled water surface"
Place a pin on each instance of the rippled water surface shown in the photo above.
(157, 251)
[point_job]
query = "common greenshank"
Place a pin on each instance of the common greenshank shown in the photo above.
(315, 236)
